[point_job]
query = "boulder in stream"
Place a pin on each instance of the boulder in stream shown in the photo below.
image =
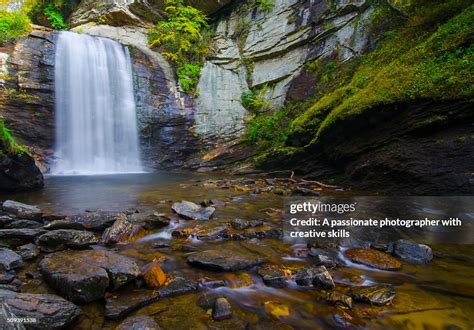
(9, 259)
(24, 234)
(224, 260)
(22, 211)
(49, 311)
(375, 295)
(121, 303)
(318, 276)
(221, 310)
(411, 251)
(138, 323)
(84, 276)
(373, 258)
(28, 251)
(121, 231)
(21, 223)
(178, 286)
(61, 239)
(191, 211)
(272, 276)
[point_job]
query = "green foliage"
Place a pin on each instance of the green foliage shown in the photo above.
(182, 38)
(55, 18)
(188, 75)
(13, 25)
(413, 63)
(264, 5)
(254, 100)
(7, 143)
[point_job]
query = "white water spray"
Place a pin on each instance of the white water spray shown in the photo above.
(96, 125)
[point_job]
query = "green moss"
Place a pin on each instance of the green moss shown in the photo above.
(7, 143)
(13, 25)
(410, 64)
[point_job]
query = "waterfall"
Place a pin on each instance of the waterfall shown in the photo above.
(96, 125)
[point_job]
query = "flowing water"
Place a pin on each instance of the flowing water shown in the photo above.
(96, 125)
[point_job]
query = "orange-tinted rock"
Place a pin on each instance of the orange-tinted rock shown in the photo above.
(373, 258)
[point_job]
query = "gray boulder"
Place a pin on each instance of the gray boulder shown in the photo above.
(223, 260)
(23, 211)
(9, 259)
(62, 239)
(411, 251)
(189, 210)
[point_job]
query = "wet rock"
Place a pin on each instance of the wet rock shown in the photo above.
(84, 276)
(328, 257)
(153, 275)
(272, 276)
(178, 286)
(63, 224)
(50, 311)
(149, 220)
(23, 211)
(61, 239)
(300, 191)
(7, 287)
(188, 248)
(25, 234)
(373, 258)
(18, 172)
(207, 299)
(5, 219)
(28, 251)
(161, 245)
(376, 295)
(94, 221)
(182, 233)
(212, 234)
(244, 224)
(412, 251)
(7, 276)
(18, 224)
(212, 284)
(119, 304)
(223, 260)
(189, 210)
(339, 298)
(257, 234)
(318, 276)
(355, 243)
(138, 323)
(121, 231)
(222, 310)
(9, 259)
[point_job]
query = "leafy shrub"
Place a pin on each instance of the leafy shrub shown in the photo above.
(254, 100)
(13, 25)
(55, 18)
(182, 38)
(264, 5)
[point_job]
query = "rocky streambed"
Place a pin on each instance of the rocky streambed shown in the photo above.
(208, 254)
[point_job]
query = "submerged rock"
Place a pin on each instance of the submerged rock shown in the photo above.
(373, 258)
(28, 251)
(84, 276)
(244, 224)
(339, 298)
(376, 295)
(412, 251)
(121, 303)
(178, 286)
(317, 276)
(62, 239)
(328, 257)
(223, 260)
(138, 323)
(49, 311)
(272, 276)
(189, 210)
(9, 259)
(23, 211)
(222, 310)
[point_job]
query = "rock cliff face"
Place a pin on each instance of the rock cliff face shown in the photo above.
(268, 50)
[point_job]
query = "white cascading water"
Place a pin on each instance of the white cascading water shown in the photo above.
(96, 125)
